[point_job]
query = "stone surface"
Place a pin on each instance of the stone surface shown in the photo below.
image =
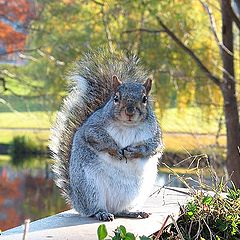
(69, 226)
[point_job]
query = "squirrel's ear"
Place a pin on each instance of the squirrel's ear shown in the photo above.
(115, 82)
(148, 85)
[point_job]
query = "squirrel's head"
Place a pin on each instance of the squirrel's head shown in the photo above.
(130, 101)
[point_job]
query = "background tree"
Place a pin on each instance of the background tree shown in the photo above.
(177, 40)
(227, 83)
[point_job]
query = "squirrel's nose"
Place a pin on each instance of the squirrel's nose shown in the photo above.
(130, 110)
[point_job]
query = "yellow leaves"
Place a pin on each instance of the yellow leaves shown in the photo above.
(187, 95)
(67, 27)
(98, 29)
(48, 49)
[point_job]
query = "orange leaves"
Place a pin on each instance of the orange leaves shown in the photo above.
(16, 11)
(10, 38)
(9, 193)
(15, 17)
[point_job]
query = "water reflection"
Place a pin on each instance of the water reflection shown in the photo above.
(28, 191)
(165, 179)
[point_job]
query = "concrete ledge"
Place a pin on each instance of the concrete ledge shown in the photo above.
(69, 226)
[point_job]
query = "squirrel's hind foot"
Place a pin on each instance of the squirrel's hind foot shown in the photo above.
(104, 216)
(133, 214)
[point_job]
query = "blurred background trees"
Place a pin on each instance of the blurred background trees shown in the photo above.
(191, 48)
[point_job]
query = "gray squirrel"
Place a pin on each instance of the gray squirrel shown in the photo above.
(106, 141)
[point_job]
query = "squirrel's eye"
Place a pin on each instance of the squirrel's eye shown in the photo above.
(116, 99)
(144, 99)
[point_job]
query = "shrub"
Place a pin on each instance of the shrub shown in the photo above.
(208, 217)
(22, 147)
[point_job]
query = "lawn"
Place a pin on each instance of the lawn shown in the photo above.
(173, 124)
(185, 142)
(191, 120)
(6, 136)
(25, 120)
(4, 159)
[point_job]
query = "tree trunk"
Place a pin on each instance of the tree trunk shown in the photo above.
(228, 87)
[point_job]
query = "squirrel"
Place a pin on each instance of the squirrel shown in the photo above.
(106, 141)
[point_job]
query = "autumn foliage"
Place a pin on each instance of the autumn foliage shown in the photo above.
(25, 196)
(15, 17)
(9, 196)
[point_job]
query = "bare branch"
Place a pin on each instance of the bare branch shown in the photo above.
(6, 73)
(232, 78)
(27, 57)
(214, 30)
(212, 24)
(19, 51)
(98, 3)
(143, 30)
(106, 27)
(171, 34)
(213, 5)
(3, 83)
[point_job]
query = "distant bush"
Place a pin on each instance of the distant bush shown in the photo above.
(22, 147)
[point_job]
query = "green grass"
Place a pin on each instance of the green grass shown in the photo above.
(4, 158)
(8, 135)
(20, 104)
(180, 143)
(25, 120)
(191, 120)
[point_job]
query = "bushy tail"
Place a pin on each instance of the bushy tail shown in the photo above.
(90, 85)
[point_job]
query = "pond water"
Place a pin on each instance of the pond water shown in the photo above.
(28, 191)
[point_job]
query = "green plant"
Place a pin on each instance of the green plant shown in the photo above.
(213, 213)
(208, 217)
(119, 234)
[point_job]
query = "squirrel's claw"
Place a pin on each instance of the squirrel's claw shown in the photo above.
(119, 155)
(131, 152)
(104, 216)
(122, 152)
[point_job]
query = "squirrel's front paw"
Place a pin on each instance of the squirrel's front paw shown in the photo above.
(131, 152)
(116, 153)
(104, 216)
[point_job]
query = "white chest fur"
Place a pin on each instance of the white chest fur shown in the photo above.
(127, 184)
(124, 135)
